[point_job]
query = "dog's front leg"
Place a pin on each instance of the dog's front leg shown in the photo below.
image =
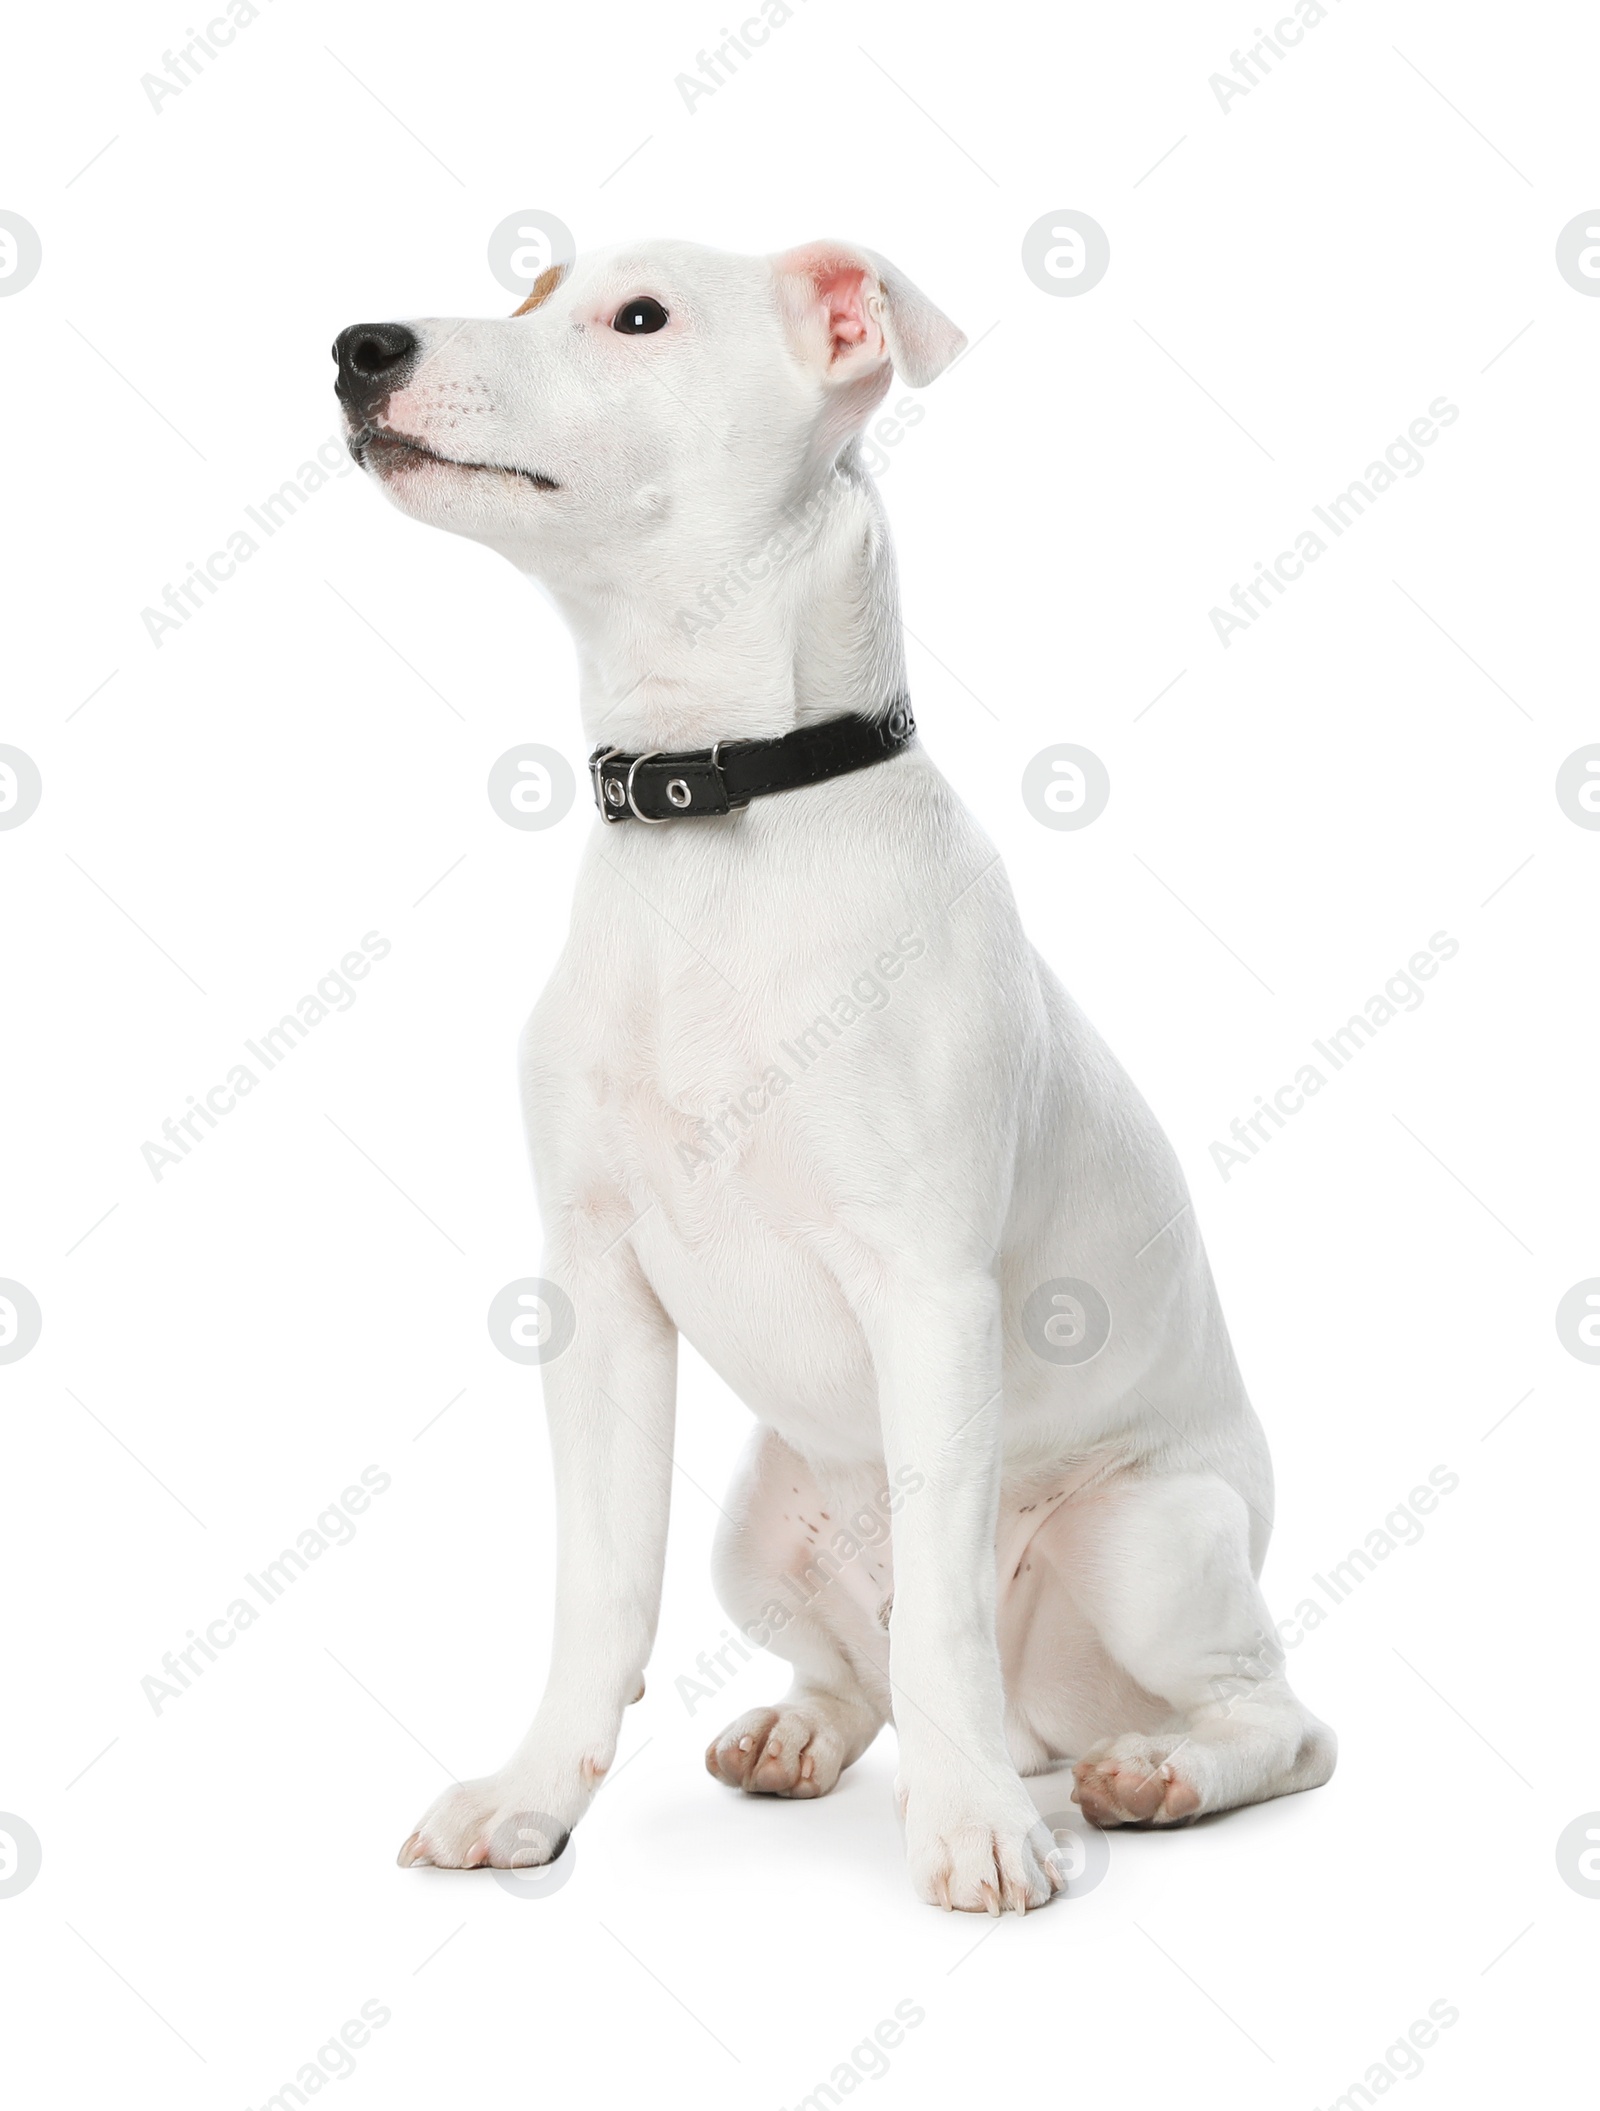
(609, 1398)
(974, 1840)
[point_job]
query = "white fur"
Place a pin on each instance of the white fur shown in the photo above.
(1074, 1548)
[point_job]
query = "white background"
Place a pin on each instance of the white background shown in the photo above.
(226, 815)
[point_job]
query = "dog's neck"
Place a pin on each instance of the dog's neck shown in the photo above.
(790, 619)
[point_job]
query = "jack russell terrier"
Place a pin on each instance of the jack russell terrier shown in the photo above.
(801, 1088)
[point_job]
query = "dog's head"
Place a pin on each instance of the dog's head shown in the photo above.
(656, 390)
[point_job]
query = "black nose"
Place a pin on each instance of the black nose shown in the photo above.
(372, 359)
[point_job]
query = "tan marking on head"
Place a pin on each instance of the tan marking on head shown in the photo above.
(543, 286)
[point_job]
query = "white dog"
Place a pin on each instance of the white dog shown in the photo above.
(801, 1088)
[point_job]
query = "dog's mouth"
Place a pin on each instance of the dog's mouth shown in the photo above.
(386, 452)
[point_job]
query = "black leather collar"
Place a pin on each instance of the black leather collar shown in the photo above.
(685, 784)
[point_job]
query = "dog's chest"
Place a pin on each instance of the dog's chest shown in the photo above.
(699, 1089)
(707, 1015)
(729, 1183)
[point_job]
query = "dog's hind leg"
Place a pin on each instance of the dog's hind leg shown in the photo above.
(804, 1571)
(1162, 1569)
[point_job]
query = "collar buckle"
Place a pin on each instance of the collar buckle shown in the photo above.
(698, 786)
(609, 794)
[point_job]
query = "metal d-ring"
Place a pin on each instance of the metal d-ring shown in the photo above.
(651, 820)
(597, 763)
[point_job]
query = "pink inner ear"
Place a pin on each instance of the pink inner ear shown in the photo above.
(842, 291)
(829, 292)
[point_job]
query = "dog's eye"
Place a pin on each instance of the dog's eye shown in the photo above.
(638, 318)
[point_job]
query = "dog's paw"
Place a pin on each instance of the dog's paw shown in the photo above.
(500, 1822)
(993, 1855)
(796, 1750)
(1133, 1780)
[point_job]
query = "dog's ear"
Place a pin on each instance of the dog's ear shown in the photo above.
(850, 313)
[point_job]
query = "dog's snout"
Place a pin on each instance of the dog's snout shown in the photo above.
(372, 359)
